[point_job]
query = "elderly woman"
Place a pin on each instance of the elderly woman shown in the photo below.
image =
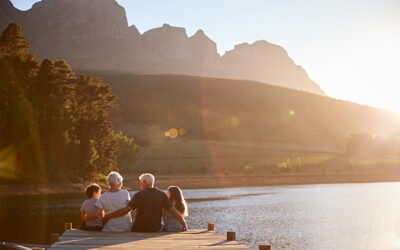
(112, 200)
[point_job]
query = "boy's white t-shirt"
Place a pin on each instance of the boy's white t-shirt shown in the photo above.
(113, 201)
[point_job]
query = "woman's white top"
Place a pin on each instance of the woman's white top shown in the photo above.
(111, 202)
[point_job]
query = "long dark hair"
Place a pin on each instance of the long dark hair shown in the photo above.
(177, 198)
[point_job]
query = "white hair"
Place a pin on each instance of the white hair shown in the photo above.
(114, 178)
(148, 178)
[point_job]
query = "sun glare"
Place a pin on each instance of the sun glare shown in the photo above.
(8, 163)
(395, 113)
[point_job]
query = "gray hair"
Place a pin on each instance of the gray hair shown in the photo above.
(114, 178)
(148, 178)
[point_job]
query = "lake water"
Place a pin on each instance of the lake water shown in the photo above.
(334, 216)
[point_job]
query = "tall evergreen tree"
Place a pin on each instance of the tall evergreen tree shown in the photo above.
(54, 88)
(90, 109)
(58, 123)
(12, 41)
(19, 125)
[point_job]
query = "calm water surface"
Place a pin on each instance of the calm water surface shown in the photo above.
(336, 216)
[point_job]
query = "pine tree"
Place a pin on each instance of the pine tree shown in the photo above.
(13, 42)
(58, 123)
(53, 92)
(18, 126)
(97, 146)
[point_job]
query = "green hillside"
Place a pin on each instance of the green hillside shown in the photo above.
(236, 111)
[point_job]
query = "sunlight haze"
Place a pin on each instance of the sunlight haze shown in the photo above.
(349, 48)
(276, 121)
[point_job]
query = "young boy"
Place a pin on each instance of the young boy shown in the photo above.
(93, 192)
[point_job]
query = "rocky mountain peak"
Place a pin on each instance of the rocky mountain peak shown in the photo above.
(260, 49)
(168, 42)
(134, 33)
(204, 48)
(262, 43)
(94, 35)
(7, 13)
(6, 5)
(200, 33)
(79, 20)
(241, 45)
(269, 63)
(133, 29)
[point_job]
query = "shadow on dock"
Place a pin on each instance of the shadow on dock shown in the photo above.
(192, 239)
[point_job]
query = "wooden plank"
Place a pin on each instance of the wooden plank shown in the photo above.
(148, 247)
(150, 242)
(193, 239)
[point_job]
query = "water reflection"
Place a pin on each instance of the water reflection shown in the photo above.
(343, 216)
(338, 216)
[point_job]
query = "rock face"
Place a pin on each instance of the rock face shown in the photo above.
(78, 20)
(168, 42)
(85, 32)
(93, 35)
(7, 13)
(267, 62)
(205, 53)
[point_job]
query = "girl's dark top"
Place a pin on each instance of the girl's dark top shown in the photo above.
(148, 204)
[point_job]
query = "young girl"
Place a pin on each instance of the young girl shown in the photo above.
(170, 223)
(93, 192)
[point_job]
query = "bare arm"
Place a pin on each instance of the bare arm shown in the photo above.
(179, 217)
(83, 215)
(93, 215)
(117, 213)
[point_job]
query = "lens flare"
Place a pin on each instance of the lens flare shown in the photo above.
(291, 112)
(182, 131)
(173, 133)
(8, 163)
(233, 122)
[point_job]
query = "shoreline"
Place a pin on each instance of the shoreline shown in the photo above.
(205, 181)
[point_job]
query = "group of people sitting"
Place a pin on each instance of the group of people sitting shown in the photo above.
(154, 211)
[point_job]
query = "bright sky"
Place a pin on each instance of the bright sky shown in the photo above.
(351, 48)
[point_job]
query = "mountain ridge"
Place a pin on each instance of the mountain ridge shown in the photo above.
(94, 35)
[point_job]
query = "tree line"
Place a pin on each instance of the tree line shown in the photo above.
(53, 124)
(363, 144)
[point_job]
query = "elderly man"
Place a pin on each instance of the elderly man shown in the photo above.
(148, 203)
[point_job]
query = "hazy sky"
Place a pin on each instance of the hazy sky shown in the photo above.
(351, 48)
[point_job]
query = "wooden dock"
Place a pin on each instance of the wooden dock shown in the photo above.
(192, 239)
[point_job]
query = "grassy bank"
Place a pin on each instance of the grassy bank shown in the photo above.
(214, 181)
(198, 164)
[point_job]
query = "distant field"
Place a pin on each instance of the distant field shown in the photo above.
(212, 164)
(196, 157)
